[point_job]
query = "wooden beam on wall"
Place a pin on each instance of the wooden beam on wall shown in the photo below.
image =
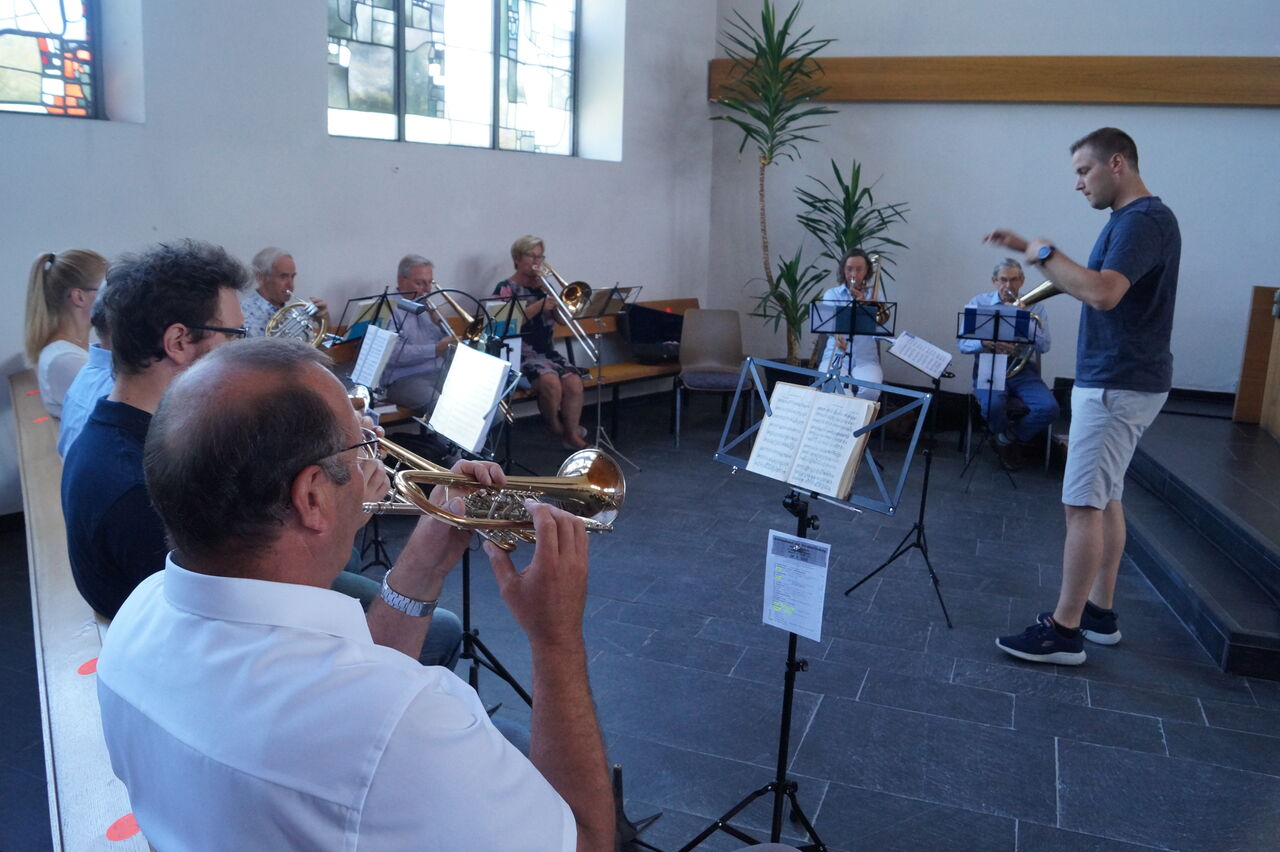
(1200, 80)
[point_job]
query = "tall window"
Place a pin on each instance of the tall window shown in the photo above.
(47, 60)
(483, 73)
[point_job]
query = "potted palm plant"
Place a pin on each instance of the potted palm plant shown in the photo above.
(770, 98)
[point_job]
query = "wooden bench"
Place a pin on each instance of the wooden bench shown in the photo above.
(613, 376)
(88, 805)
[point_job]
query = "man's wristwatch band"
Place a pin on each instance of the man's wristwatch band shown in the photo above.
(409, 606)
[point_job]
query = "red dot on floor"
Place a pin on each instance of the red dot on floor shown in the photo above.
(88, 667)
(123, 828)
(40, 419)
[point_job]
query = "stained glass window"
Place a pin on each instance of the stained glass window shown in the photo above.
(457, 72)
(47, 59)
(535, 71)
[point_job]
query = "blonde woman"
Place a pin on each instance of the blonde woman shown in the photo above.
(60, 296)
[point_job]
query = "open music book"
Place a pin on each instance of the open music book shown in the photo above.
(808, 440)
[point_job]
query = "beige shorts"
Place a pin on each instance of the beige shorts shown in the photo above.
(1105, 427)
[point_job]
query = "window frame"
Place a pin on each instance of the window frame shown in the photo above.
(97, 110)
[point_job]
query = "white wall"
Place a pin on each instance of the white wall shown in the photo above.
(967, 168)
(234, 150)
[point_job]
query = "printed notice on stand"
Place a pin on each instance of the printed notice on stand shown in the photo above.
(808, 439)
(921, 354)
(795, 584)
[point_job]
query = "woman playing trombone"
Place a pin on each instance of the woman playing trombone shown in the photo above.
(859, 359)
(555, 381)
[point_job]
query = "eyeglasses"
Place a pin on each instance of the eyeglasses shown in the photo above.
(368, 447)
(232, 333)
(538, 257)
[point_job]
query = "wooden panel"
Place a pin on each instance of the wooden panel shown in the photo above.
(1257, 351)
(1271, 398)
(85, 797)
(1213, 80)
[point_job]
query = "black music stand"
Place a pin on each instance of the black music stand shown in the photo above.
(915, 537)
(797, 503)
(612, 304)
(992, 324)
(848, 319)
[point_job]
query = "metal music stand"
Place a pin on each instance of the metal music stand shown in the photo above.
(613, 303)
(850, 318)
(797, 503)
(996, 324)
(916, 535)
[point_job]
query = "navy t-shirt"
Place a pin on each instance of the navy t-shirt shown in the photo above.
(115, 539)
(1127, 347)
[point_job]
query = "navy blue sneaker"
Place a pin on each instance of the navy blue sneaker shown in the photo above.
(1099, 625)
(1096, 624)
(1042, 643)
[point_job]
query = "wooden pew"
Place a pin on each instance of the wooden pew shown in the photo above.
(88, 806)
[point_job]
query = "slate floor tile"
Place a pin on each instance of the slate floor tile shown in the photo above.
(821, 676)
(955, 701)
(24, 812)
(1073, 722)
(681, 648)
(859, 819)
(1145, 702)
(1172, 803)
(1238, 717)
(1020, 681)
(699, 711)
(1266, 692)
(1221, 747)
(1043, 838)
(878, 628)
(882, 658)
(916, 598)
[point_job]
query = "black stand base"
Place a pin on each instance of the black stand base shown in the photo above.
(371, 539)
(782, 789)
(915, 537)
(627, 833)
(475, 652)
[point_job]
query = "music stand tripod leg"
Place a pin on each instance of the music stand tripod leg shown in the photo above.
(475, 651)
(783, 789)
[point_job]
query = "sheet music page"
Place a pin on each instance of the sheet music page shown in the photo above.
(991, 370)
(795, 584)
(780, 433)
(921, 354)
(374, 354)
(471, 387)
(829, 443)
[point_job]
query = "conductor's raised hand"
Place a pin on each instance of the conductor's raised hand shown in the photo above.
(547, 599)
(1006, 239)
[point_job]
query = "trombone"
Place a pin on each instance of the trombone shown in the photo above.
(589, 484)
(473, 335)
(569, 299)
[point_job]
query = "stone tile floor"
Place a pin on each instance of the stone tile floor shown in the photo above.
(906, 734)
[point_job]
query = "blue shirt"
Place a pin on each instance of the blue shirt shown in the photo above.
(1127, 347)
(92, 383)
(115, 539)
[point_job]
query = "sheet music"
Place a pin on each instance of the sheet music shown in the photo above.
(374, 354)
(828, 443)
(795, 584)
(921, 354)
(991, 370)
(473, 384)
(781, 432)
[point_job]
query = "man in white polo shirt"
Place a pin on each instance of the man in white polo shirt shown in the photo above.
(247, 706)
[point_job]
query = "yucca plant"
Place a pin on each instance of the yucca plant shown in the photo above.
(787, 300)
(844, 216)
(770, 99)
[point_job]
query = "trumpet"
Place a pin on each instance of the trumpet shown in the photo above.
(569, 300)
(589, 484)
(299, 320)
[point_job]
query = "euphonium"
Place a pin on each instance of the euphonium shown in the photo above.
(1023, 354)
(299, 320)
(589, 484)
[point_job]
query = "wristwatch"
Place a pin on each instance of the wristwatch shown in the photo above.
(1043, 255)
(409, 606)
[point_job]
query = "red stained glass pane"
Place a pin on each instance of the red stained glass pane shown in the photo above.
(77, 112)
(56, 111)
(74, 90)
(44, 45)
(58, 100)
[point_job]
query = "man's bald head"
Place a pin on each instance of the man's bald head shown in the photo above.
(231, 435)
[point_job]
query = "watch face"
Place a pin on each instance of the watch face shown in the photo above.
(1045, 252)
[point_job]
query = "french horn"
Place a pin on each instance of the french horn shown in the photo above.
(299, 320)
